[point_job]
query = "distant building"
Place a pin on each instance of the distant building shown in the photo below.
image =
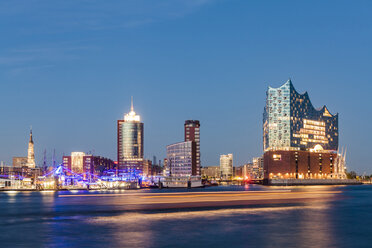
(192, 133)
(211, 172)
(257, 168)
(28, 161)
(253, 170)
(19, 161)
(156, 170)
(130, 142)
(20, 172)
(238, 172)
(88, 165)
(226, 166)
(24, 167)
(75, 162)
(299, 141)
(181, 159)
(166, 167)
(247, 171)
(147, 168)
(99, 165)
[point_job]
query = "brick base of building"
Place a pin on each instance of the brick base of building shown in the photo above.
(299, 164)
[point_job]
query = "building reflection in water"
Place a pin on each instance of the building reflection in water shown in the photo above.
(47, 220)
(315, 227)
(304, 225)
(128, 230)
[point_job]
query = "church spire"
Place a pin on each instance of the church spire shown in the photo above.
(30, 152)
(31, 140)
(131, 104)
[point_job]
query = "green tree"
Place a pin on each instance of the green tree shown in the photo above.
(351, 175)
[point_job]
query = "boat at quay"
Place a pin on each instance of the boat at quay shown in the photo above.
(180, 182)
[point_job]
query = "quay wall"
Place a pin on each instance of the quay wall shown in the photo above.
(281, 182)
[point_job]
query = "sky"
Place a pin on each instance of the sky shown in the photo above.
(69, 68)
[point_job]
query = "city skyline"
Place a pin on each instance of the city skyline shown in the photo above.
(85, 72)
(185, 123)
(134, 117)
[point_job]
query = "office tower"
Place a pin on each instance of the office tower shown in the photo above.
(130, 142)
(30, 153)
(181, 159)
(226, 166)
(192, 133)
(299, 141)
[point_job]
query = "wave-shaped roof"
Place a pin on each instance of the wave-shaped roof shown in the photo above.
(323, 110)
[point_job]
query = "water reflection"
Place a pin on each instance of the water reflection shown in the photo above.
(270, 225)
(315, 228)
(46, 220)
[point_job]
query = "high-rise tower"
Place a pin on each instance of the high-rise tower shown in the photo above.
(226, 166)
(192, 133)
(130, 141)
(31, 153)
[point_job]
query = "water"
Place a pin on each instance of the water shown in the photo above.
(43, 219)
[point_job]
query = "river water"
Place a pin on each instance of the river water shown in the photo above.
(45, 219)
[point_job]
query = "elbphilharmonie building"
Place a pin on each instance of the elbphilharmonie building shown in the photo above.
(291, 122)
(299, 141)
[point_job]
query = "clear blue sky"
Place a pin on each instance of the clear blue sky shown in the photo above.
(68, 68)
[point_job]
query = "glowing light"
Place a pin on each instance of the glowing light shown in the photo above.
(318, 148)
(277, 157)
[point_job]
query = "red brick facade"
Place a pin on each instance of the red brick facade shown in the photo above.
(92, 165)
(298, 164)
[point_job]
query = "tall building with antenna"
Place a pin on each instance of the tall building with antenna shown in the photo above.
(130, 138)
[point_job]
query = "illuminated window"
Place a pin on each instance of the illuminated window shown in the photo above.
(277, 157)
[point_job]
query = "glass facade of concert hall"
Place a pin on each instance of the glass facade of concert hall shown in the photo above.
(290, 122)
